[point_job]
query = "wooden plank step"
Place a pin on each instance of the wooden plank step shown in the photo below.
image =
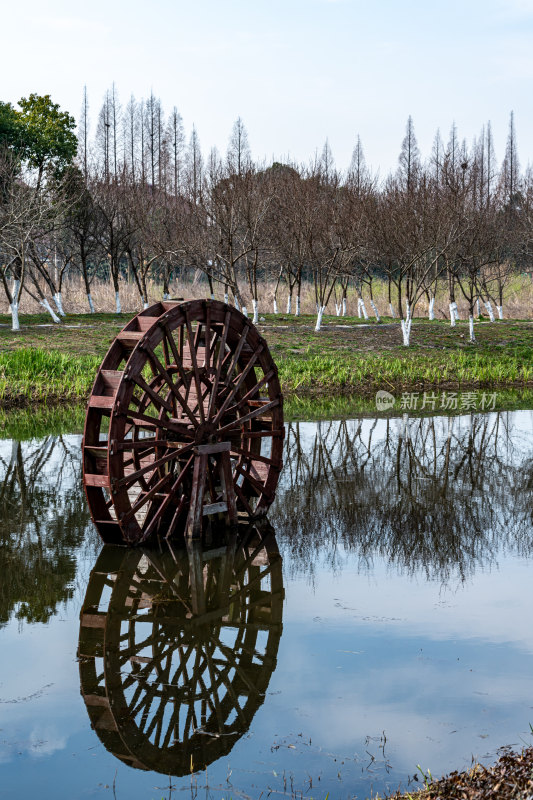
(96, 451)
(145, 323)
(93, 620)
(105, 402)
(96, 700)
(111, 378)
(95, 479)
(129, 339)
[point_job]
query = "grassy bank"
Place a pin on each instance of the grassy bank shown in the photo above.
(29, 376)
(53, 363)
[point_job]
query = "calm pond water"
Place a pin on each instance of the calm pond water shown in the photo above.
(381, 620)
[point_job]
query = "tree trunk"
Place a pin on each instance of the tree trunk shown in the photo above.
(319, 316)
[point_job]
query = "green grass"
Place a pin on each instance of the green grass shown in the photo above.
(30, 375)
(352, 372)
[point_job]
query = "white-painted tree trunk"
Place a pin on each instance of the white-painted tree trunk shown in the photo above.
(238, 305)
(478, 308)
(471, 327)
(363, 309)
(145, 305)
(391, 310)
(500, 311)
(226, 298)
(245, 311)
(406, 331)
(14, 307)
(338, 307)
(343, 306)
(319, 316)
(431, 311)
(59, 304)
(275, 306)
(297, 305)
(488, 306)
(117, 303)
(45, 304)
(255, 306)
(90, 301)
(456, 310)
(15, 324)
(289, 304)
(452, 315)
(376, 312)
(166, 296)
(359, 301)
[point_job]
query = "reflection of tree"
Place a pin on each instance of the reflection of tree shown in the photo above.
(42, 519)
(177, 647)
(438, 494)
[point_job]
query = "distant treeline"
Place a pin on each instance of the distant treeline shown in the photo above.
(140, 200)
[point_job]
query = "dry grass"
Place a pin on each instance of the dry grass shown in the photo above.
(518, 302)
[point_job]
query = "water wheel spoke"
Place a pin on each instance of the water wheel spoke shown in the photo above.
(143, 499)
(247, 562)
(173, 388)
(237, 354)
(168, 499)
(138, 420)
(249, 455)
(166, 354)
(174, 718)
(276, 433)
(160, 402)
(252, 582)
(234, 387)
(240, 494)
(178, 358)
(231, 691)
(207, 338)
(155, 465)
(255, 484)
(215, 701)
(258, 412)
(194, 360)
(221, 355)
(251, 392)
(149, 443)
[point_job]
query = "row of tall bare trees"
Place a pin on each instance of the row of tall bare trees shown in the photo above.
(142, 201)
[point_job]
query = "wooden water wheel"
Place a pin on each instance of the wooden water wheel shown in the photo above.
(186, 403)
(177, 648)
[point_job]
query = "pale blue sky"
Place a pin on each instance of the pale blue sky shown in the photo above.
(296, 71)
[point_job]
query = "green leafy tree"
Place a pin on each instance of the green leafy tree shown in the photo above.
(40, 135)
(10, 129)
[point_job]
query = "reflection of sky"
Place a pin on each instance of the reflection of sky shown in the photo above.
(377, 672)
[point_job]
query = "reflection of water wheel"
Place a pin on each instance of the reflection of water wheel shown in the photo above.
(176, 650)
(179, 376)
